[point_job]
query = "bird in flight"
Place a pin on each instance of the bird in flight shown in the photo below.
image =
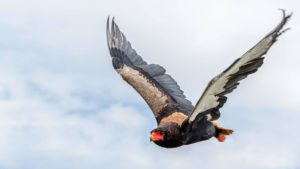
(178, 121)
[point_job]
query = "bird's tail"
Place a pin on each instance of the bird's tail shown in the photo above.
(224, 131)
(221, 130)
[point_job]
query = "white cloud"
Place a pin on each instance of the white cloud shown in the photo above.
(39, 133)
(63, 106)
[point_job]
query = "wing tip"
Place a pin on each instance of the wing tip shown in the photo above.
(284, 15)
(108, 33)
(285, 18)
(113, 33)
(277, 31)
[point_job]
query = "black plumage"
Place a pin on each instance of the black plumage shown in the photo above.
(179, 123)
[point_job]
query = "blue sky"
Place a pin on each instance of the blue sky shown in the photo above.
(63, 106)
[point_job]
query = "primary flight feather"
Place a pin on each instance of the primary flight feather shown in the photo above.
(179, 122)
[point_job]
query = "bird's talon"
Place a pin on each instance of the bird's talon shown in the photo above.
(221, 137)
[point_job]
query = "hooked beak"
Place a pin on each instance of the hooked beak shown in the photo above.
(153, 137)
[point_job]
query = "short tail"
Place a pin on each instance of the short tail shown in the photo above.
(224, 131)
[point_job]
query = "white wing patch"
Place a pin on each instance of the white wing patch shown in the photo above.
(227, 81)
(155, 98)
(209, 99)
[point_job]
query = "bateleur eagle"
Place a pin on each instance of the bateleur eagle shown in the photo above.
(179, 122)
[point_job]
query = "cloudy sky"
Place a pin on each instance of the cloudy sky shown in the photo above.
(62, 106)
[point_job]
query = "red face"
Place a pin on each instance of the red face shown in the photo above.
(157, 136)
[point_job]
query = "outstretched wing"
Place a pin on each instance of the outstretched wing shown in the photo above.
(214, 97)
(158, 89)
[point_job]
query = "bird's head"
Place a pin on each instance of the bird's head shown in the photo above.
(168, 136)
